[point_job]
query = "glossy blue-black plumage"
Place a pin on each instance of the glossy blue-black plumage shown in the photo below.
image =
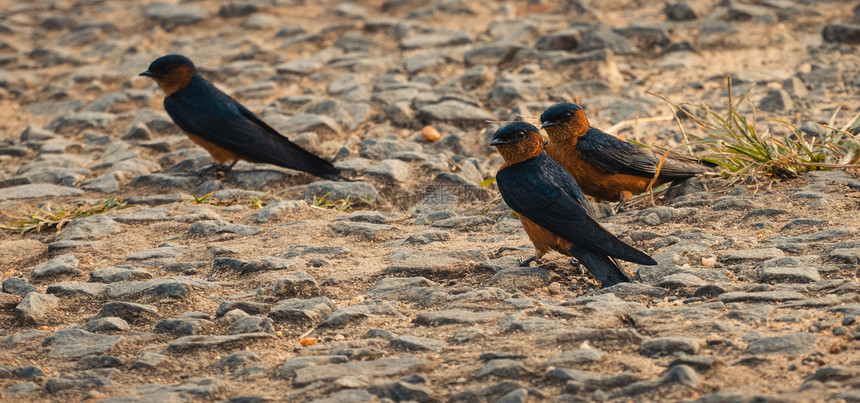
(541, 190)
(556, 112)
(620, 157)
(203, 110)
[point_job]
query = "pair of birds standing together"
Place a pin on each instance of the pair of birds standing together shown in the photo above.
(547, 193)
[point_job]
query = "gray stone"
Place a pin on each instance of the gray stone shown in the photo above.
(171, 16)
(86, 380)
(455, 317)
(76, 343)
(789, 274)
(39, 190)
(64, 264)
(794, 344)
(237, 360)
(89, 228)
(577, 357)
(268, 263)
(374, 232)
(428, 236)
(301, 311)
(841, 33)
(435, 39)
(298, 284)
(157, 253)
(414, 343)
(130, 311)
(763, 296)
(18, 286)
(290, 366)
(389, 170)
(162, 287)
(76, 289)
(252, 324)
(752, 255)
(98, 361)
(22, 388)
(108, 324)
(383, 367)
(680, 11)
(35, 308)
(191, 343)
(144, 216)
(212, 227)
(669, 345)
(386, 149)
(149, 361)
(842, 255)
(119, 273)
(252, 308)
(680, 280)
(184, 326)
(350, 315)
(776, 101)
(278, 210)
(456, 113)
(504, 368)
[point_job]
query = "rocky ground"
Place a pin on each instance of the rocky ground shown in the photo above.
(256, 294)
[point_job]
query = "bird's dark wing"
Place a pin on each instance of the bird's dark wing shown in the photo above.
(542, 191)
(204, 111)
(620, 157)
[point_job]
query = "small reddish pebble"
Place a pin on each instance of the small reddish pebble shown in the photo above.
(430, 134)
(308, 341)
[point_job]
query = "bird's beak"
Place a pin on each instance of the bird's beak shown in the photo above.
(146, 74)
(498, 142)
(548, 124)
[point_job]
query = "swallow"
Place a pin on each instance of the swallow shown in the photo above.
(221, 125)
(605, 167)
(552, 208)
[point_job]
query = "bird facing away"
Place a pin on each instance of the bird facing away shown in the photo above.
(605, 167)
(221, 125)
(553, 210)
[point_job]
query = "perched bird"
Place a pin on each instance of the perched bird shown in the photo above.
(605, 167)
(553, 210)
(225, 128)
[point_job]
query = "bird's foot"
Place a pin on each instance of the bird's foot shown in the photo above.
(225, 168)
(575, 263)
(525, 262)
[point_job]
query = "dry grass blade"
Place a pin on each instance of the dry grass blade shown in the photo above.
(56, 217)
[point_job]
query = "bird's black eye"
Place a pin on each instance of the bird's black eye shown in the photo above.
(568, 115)
(521, 134)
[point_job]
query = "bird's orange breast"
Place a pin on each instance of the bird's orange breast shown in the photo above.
(544, 240)
(220, 155)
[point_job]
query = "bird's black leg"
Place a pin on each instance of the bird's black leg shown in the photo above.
(525, 262)
(618, 206)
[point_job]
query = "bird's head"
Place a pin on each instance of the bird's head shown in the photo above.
(518, 142)
(171, 72)
(563, 121)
